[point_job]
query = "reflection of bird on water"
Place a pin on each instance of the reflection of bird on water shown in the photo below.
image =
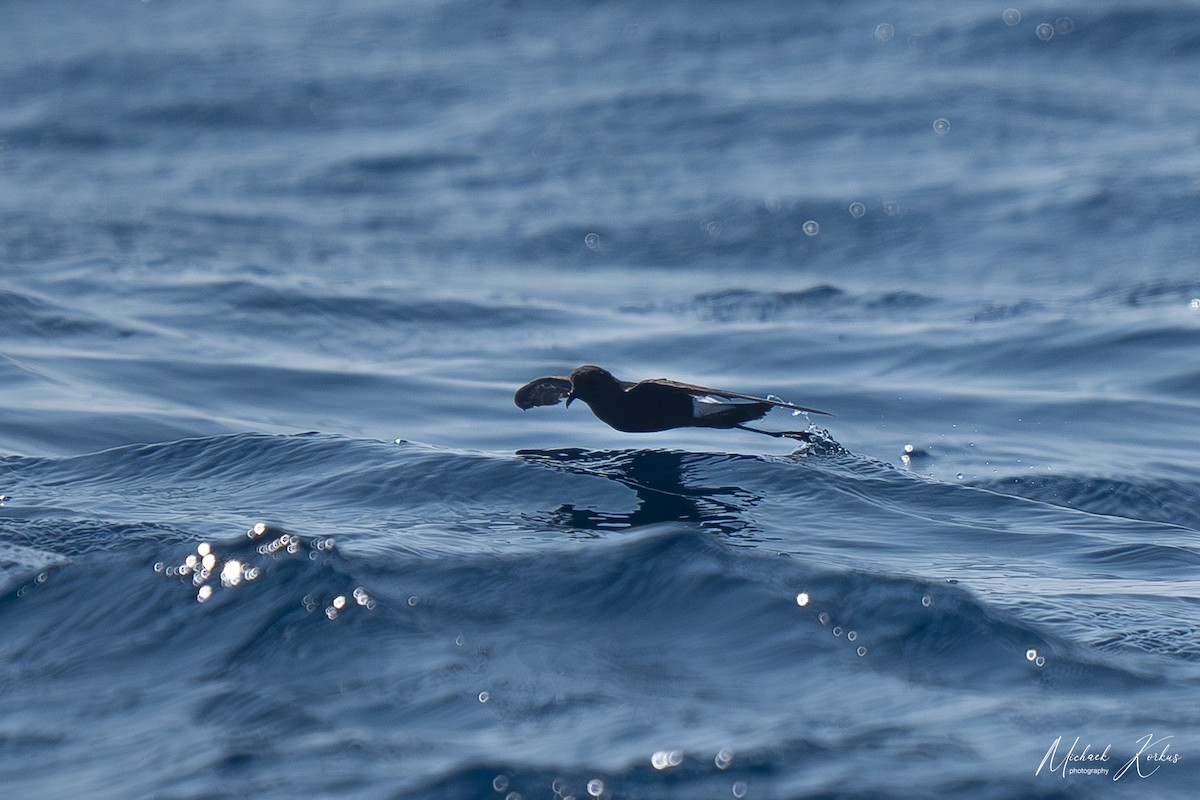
(657, 477)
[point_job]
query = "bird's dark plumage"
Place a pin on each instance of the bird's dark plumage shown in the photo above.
(652, 405)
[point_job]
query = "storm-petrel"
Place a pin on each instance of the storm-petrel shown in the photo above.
(654, 405)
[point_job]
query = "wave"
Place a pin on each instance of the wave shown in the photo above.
(26, 315)
(576, 646)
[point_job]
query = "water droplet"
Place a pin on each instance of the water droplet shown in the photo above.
(1045, 31)
(811, 227)
(412, 601)
(485, 696)
(1031, 654)
(724, 759)
(712, 227)
(739, 789)
(331, 612)
(857, 210)
(258, 530)
(1011, 17)
(592, 241)
(1195, 304)
(862, 651)
(837, 631)
(802, 599)
(926, 601)
(959, 476)
(209, 562)
(159, 566)
(1040, 661)
(339, 602)
(941, 126)
(500, 783)
(851, 636)
(823, 617)
(1064, 26)
(595, 787)
(884, 31)
(231, 573)
(891, 208)
(203, 549)
(204, 593)
(513, 796)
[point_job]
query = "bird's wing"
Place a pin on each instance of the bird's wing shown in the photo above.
(718, 396)
(545, 391)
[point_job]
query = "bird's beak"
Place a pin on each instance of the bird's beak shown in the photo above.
(570, 397)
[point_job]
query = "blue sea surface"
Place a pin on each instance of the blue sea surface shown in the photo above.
(271, 525)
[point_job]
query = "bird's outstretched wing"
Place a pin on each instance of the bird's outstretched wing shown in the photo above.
(715, 396)
(545, 391)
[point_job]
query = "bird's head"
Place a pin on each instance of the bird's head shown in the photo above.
(589, 382)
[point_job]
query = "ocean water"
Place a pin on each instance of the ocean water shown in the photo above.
(271, 525)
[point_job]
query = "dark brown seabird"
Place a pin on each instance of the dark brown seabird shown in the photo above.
(654, 405)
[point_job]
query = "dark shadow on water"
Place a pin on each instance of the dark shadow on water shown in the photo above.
(663, 481)
(668, 485)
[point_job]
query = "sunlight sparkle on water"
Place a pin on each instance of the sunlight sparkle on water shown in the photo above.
(231, 573)
(205, 569)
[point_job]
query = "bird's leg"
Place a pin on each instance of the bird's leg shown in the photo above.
(804, 436)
